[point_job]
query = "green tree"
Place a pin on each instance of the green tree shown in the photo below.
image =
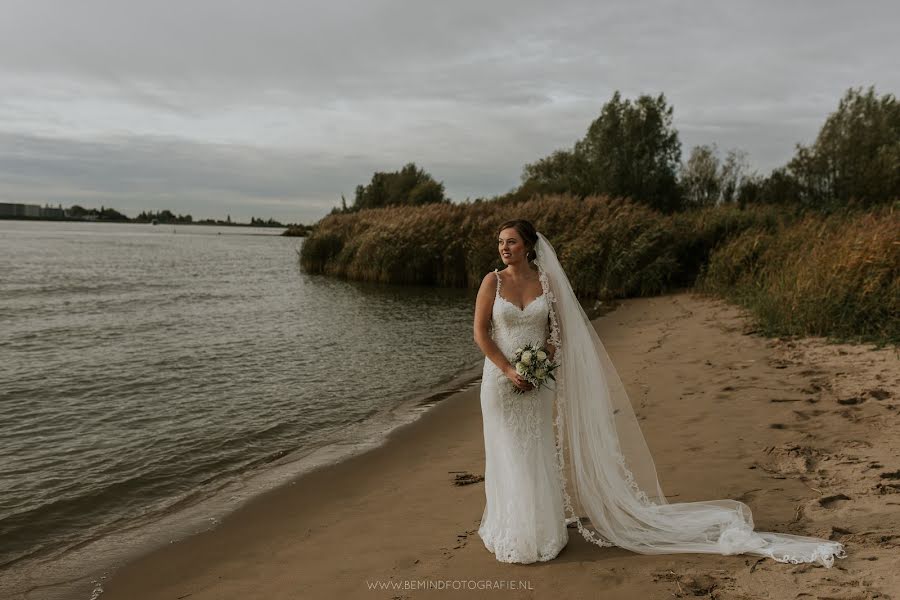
(408, 186)
(559, 173)
(631, 149)
(706, 181)
(856, 155)
(700, 177)
(734, 175)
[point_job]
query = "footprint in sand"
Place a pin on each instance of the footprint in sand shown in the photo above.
(805, 415)
(879, 394)
(814, 387)
(834, 501)
(889, 487)
(851, 401)
(699, 584)
(850, 414)
(789, 459)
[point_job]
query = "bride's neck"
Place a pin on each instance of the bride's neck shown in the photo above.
(520, 271)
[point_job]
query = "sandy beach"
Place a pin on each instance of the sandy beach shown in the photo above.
(804, 432)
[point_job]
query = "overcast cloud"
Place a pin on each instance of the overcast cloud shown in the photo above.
(275, 109)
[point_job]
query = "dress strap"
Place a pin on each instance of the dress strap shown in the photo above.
(497, 291)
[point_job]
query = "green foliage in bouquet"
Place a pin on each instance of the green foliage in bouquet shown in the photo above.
(533, 363)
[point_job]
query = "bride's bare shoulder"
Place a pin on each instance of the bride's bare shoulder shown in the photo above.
(489, 279)
(487, 290)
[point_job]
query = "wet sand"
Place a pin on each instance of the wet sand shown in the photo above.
(805, 432)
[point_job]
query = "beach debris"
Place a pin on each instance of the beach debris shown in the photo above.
(463, 538)
(466, 478)
(756, 564)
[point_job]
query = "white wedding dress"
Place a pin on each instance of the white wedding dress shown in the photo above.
(597, 472)
(524, 518)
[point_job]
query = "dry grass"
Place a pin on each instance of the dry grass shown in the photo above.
(798, 273)
(835, 276)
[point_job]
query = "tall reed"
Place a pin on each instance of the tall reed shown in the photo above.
(799, 273)
(836, 276)
(611, 247)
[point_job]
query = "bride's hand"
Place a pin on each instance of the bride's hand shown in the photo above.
(517, 380)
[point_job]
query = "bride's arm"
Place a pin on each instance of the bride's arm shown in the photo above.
(484, 305)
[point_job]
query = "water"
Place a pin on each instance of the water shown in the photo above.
(154, 377)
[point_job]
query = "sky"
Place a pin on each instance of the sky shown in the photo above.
(275, 109)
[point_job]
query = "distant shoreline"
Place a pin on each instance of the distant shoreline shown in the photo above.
(132, 222)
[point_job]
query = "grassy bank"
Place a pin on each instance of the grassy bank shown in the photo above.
(836, 276)
(799, 273)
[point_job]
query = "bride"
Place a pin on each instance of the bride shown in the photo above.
(597, 471)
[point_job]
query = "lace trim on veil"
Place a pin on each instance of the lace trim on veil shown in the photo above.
(554, 339)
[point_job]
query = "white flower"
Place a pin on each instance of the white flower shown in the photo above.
(540, 373)
(526, 357)
(541, 355)
(521, 368)
(519, 350)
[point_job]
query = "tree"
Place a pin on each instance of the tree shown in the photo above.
(556, 174)
(700, 177)
(705, 181)
(734, 174)
(856, 155)
(408, 186)
(631, 149)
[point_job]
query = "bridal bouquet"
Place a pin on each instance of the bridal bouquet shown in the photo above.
(533, 363)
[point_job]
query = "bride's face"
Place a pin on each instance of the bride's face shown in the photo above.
(511, 247)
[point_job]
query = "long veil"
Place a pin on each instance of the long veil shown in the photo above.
(606, 471)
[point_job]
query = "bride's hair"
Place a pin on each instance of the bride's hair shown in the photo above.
(527, 231)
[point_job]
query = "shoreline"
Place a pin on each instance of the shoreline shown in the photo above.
(782, 425)
(103, 555)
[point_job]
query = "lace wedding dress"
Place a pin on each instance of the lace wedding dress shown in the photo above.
(597, 472)
(524, 518)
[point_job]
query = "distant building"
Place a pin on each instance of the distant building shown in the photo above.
(53, 213)
(13, 210)
(19, 210)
